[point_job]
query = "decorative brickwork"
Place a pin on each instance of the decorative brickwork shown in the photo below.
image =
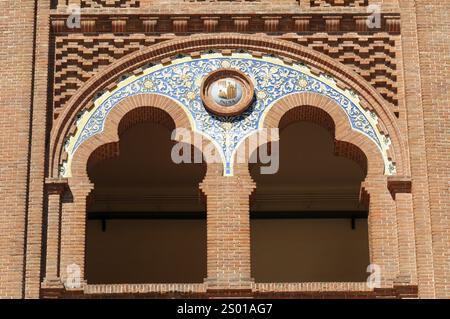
(338, 3)
(110, 3)
(433, 48)
(82, 135)
(144, 115)
(54, 74)
(380, 199)
(373, 57)
(382, 230)
(79, 57)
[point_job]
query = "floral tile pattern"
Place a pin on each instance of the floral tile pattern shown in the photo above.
(181, 82)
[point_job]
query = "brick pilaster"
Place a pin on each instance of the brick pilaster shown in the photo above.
(55, 189)
(73, 228)
(433, 48)
(383, 241)
(401, 192)
(228, 228)
(417, 150)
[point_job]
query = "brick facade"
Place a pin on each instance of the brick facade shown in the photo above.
(52, 73)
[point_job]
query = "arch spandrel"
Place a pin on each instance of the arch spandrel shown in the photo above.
(341, 130)
(274, 79)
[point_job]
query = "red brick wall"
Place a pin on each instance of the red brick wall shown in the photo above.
(433, 22)
(416, 138)
(38, 149)
(16, 52)
(415, 86)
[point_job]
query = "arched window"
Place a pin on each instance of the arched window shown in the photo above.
(146, 219)
(307, 221)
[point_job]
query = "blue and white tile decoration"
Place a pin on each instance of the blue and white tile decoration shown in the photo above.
(181, 81)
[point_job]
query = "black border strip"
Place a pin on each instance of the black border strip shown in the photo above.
(253, 215)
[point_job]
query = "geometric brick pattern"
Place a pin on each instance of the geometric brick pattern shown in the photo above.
(78, 57)
(373, 57)
(189, 45)
(337, 3)
(109, 3)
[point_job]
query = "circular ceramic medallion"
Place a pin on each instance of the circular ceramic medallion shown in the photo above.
(227, 92)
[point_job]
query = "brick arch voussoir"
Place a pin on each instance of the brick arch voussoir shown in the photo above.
(370, 98)
(343, 133)
(110, 134)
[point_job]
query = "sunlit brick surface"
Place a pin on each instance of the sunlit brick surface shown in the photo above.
(50, 71)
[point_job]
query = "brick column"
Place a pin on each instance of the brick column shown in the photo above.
(401, 192)
(55, 188)
(382, 224)
(73, 228)
(433, 57)
(414, 98)
(228, 228)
